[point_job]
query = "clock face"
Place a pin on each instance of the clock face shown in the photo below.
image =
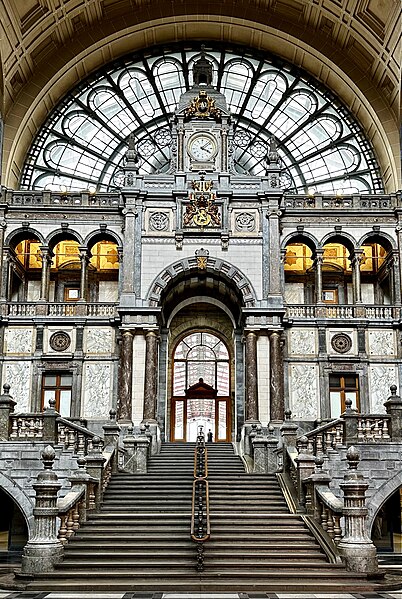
(202, 148)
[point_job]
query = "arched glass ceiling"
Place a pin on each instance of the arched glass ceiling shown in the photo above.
(83, 142)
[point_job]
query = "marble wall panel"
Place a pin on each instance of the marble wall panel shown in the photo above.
(98, 340)
(18, 341)
(33, 291)
(97, 389)
(303, 386)
(367, 293)
(302, 342)
(18, 376)
(381, 377)
(381, 343)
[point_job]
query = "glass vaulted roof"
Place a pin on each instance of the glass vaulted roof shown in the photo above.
(82, 144)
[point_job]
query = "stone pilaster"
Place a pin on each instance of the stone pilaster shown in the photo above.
(84, 258)
(251, 407)
(276, 379)
(274, 252)
(124, 410)
(43, 551)
(127, 266)
(151, 375)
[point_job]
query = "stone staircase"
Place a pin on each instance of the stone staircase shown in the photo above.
(140, 540)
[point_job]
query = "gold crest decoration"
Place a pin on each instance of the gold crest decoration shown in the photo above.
(203, 107)
(202, 210)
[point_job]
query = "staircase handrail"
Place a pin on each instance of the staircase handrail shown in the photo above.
(77, 427)
(81, 439)
(71, 509)
(200, 523)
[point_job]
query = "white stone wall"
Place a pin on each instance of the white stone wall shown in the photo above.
(157, 256)
(108, 291)
(19, 341)
(302, 342)
(381, 342)
(138, 377)
(294, 293)
(98, 341)
(263, 379)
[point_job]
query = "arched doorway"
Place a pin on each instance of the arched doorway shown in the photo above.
(201, 388)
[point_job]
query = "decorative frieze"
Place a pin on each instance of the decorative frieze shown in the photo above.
(18, 376)
(303, 391)
(302, 342)
(99, 340)
(18, 341)
(381, 343)
(381, 377)
(97, 389)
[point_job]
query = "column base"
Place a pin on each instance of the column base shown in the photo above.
(41, 557)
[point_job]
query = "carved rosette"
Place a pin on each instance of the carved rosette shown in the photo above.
(60, 341)
(341, 343)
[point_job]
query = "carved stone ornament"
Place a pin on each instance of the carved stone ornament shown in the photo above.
(202, 210)
(202, 258)
(202, 106)
(245, 222)
(60, 341)
(341, 343)
(159, 221)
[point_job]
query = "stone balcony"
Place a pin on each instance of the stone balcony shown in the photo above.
(54, 310)
(342, 312)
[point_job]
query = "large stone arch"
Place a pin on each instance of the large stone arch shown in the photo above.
(301, 237)
(229, 273)
(26, 506)
(380, 497)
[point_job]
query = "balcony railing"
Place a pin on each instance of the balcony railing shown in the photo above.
(102, 310)
(370, 312)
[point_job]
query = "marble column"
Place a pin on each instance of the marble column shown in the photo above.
(319, 255)
(124, 410)
(84, 258)
(44, 283)
(251, 407)
(151, 375)
(356, 260)
(276, 378)
(3, 226)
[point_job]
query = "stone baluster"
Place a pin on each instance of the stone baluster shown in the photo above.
(111, 433)
(6, 409)
(95, 462)
(356, 547)
(137, 449)
(393, 406)
(44, 550)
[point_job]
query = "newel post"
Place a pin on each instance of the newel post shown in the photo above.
(44, 550)
(393, 405)
(6, 409)
(111, 433)
(356, 548)
(95, 462)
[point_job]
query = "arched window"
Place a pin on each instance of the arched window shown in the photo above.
(82, 144)
(201, 355)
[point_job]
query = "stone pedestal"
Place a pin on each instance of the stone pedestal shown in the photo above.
(265, 458)
(305, 467)
(44, 550)
(6, 408)
(356, 548)
(136, 453)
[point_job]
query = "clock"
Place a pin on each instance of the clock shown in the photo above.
(202, 147)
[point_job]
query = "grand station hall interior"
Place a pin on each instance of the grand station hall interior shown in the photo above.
(200, 299)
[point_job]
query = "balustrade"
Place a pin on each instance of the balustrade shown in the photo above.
(373, 429)
(333, 311)
(61, 309)
(26, 426)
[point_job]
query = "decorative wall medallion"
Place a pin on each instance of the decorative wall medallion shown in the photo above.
(60, 341)
(245, 221)
(159, 221)
(341, 343)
